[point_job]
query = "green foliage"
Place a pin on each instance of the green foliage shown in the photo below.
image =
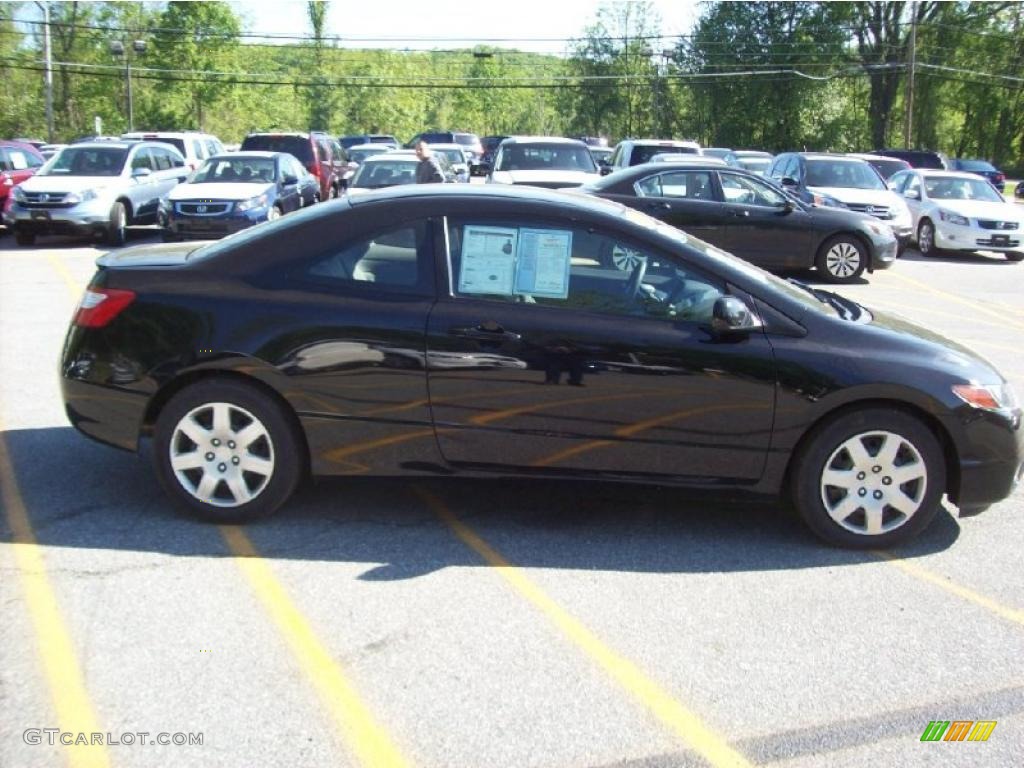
(837, 77)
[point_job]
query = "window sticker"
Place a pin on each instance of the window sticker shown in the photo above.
(542, 263)
(488, 260)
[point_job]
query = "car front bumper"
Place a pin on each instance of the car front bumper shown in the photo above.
(184, 226)
(91, 216)
(990, 448)
(957, 237)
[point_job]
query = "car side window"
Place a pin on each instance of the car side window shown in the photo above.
(913, 185)
(142, 159)
(575, 268)
(397, 258)
(740, 189)
(161, 160)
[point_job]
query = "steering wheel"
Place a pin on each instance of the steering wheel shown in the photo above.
(633, 286)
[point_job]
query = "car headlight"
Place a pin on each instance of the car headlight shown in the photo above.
(18, 195)
(879, 229)
(989, 397)
(954, 218)
(81, 197)
(260, 201)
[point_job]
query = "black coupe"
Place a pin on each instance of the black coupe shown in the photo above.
(438, 330)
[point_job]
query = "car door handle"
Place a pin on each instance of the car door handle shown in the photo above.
(658, 207)
(486, 332)
(742, 214)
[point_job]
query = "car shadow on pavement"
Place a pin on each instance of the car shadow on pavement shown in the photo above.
(987, 259)
(134, 236)
(81, 494)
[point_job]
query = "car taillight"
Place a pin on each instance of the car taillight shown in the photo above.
(313, 168)
(101, 305)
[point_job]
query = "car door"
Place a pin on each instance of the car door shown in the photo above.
(687, 200)
(289, 192)
(144, 189)
(544, 356)
(761, 228)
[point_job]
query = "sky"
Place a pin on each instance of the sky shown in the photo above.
(424, 22)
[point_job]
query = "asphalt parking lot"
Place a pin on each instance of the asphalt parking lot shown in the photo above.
(485, 624)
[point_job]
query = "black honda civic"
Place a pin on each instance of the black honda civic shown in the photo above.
(429, 330)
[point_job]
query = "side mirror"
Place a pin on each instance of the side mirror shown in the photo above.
(605, 169)
(731, 317)
(484, 168)
(289, 180)
(789, 182)
(141, 173)
(787, 207)
(912, 194)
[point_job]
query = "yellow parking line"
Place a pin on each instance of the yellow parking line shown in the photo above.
(74, 287)
(678, 718)
(974, 305)
(923, 574)
(366, 738)
(53, 642)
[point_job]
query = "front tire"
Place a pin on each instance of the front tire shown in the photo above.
(926, 239)
(842, 259)
(869, 478)
(117, 228)
(274, 213)
(226, 452)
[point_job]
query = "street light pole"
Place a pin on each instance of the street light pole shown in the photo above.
(117, 48)
(48, 70)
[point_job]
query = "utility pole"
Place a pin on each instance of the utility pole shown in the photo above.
(117, 48)
(48, 70)
(911, 65)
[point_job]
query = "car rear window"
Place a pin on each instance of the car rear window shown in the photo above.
(178, 144)
(437, 138)
(468, 139)
(975, 165)
(293, 145)
(642, 153)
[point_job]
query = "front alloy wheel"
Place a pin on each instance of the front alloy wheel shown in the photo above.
(926, 239)
(842, 260)
(869, 478)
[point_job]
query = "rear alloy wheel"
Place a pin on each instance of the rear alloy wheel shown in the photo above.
(870, 478)
(273, 213)
(626, 259)
(926, 238)
(117, 232)
(226, 452)
(842, 259)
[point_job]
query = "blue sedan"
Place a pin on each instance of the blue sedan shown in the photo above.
(233, 191)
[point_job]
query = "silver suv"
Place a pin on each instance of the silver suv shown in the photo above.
(194, 146)
(96, 188)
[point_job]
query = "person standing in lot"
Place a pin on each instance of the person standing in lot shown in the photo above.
(429, 169)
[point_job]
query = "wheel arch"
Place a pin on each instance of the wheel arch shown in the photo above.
(852, 233)
(163, 396)
(946, 443)
(129, 210)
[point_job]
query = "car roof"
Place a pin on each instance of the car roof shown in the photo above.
(125, 144)
(248, 153)
(378, 146)
(830, 156)
(869, 156)
(445, 145)
(751, 153)
(935, 173)
(543, 140)
(398, 155)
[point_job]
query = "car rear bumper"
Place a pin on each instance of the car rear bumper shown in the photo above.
(107, 414)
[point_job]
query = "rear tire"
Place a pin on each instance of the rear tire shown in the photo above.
(117, 228)
(869, 478)
(23, 237)
(1015, 256)
(842, 259)
(226, 452)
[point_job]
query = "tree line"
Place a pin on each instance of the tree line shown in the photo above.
(768, 75)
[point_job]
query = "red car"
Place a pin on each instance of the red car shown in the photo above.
(18, 161)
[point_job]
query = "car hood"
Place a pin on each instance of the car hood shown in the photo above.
(979, 209)
(918, 342)
(849, 195)
(218, 191)
(568, 178)
(70, 183)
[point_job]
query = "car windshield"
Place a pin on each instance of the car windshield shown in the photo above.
(961, 189)
(755, 164)
(454, 156)
(851, 174)
(468, 139)
(234, 170)
(975, 165)
(86, 161)
(642, 153)
(385, 173)
(546, 157)
(358, 155)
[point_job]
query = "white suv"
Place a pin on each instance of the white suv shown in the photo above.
(195, 147)
(636, 151)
